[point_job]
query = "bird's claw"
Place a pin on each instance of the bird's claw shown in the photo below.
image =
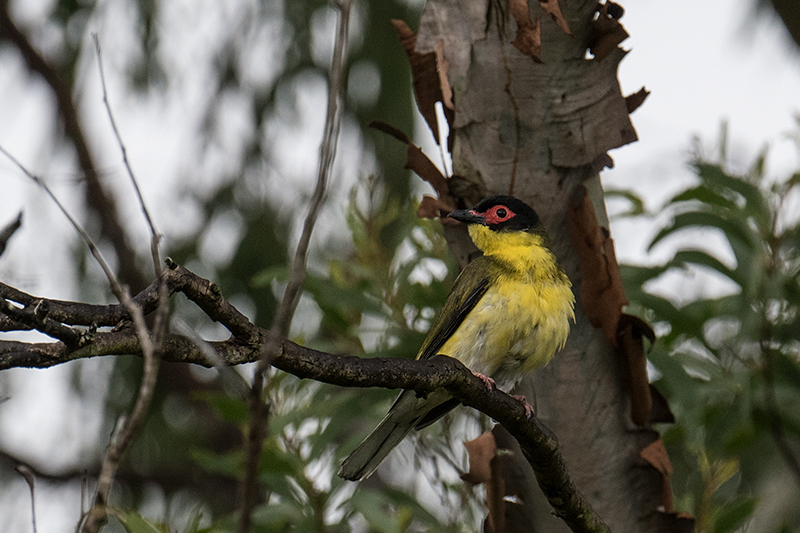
(489, 382)
(524, 401)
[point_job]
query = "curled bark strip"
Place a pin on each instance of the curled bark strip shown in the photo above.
(633, 101)
(602, 293)
(422, 166)
(529, 31)
(631, 332)
(607, 32)
(429, 72)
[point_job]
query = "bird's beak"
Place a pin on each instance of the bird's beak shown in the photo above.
(468, 216)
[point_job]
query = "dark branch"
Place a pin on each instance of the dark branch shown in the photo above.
(245, 345)
(35, 317)
(538, 445)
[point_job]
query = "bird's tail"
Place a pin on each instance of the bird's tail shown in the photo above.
(406, 412)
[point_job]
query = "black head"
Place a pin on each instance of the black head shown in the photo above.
(500, 213)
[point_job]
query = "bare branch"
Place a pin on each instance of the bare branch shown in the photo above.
(155, 236)
(97, 515)
(205, 294)
(297, 273)
(96, 197)
(112, 279)
(538, 444)
(35, 317)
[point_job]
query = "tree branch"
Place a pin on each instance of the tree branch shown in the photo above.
(36, 317)
(154, 234)
(246, 343)
(258, 406)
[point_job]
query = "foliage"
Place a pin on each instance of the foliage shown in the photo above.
(729, 362)
(377, 300)
(251, 69)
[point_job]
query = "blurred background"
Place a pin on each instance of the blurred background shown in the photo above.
(221, 107)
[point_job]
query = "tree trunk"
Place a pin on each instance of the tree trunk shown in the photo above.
(537, 130)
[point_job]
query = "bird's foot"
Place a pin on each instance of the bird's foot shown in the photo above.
(489, 382)
(524, 401)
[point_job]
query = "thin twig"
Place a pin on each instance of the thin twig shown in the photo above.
(7, 232)
(151, 346)
(112, 279)
(97, 515)
(97, 199)
(155, 235)
(259, 410)
(327, 154)
(26, 472)
(232, 382)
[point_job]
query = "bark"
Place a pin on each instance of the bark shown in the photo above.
(539, 130)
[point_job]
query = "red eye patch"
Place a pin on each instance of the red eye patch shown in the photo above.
(498, 214)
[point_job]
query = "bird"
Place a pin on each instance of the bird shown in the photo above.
(508, 313)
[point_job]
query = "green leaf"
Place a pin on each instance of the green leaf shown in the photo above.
(277, 516)
(637, 204)
(755, 203)
(402, 498)
(229, 409)
(787, 369)
(732, 516)
(722, 146)
(229, 464)
(749, 265)
(733, 229)
(758, 168)
(634, 276)
(276, 461)
(134, 523)
(699, 257)
(704, 195)
(329, 295)
(794, 180)
(266, 276)
(193, 524)
(700, 365)
(663, 309)
(372, 504)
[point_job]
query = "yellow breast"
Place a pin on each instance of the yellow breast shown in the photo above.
(523, 318)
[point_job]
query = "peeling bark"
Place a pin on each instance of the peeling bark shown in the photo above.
(537, 130)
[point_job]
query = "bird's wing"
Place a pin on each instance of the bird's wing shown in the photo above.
(469, 288)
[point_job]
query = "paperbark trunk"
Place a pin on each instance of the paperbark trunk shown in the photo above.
(538, 130)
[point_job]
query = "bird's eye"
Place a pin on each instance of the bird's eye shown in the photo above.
(498, 214)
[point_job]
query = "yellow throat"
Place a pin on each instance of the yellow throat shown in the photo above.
(523, 319)
(521, 251)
